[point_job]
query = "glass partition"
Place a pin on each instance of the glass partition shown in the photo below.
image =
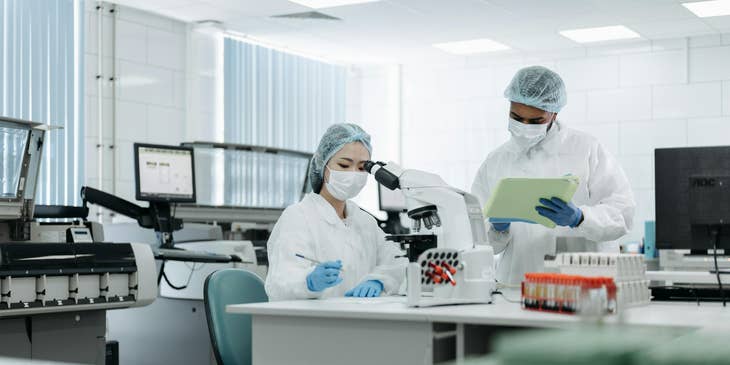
(249, 176)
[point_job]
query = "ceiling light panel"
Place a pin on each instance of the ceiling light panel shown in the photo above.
(705, 9)
(600, 34)
(321, 4)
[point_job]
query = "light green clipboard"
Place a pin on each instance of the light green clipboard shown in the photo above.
(516, 198)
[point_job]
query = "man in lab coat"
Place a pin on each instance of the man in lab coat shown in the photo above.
(603, 207)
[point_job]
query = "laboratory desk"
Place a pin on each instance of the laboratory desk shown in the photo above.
(383, 330)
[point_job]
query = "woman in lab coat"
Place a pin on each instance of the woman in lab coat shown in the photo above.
(351, 254)
(603, 207)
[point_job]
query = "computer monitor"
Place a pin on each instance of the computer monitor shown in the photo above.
(391, 200)
(692, 198)
(164, 173)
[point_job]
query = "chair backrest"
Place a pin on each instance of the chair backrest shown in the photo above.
(230, 334)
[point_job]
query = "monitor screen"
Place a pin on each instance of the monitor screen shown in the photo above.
(692, 194)
(164, 173)
(391, 200)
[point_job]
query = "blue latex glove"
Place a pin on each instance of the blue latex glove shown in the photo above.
(501, 227)
(502, 224)
(325, 275)
(562, 213)
(366, 289)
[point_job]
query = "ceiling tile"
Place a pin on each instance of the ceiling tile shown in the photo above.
(258, 7)
(672, 28)
(720, 23)
(406, 29)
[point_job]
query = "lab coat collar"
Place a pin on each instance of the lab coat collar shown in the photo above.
(327, 211)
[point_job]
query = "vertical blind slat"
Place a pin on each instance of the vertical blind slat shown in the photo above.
(274, 99)
(38, 79)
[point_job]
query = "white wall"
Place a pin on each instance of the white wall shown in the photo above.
(204, 100)
(147, 55)
(373, 102)
(634, 97)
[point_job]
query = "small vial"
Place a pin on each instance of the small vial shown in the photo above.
(531, 291)
(550, 293)
(612, 305)
(541, 292)
(570, 295)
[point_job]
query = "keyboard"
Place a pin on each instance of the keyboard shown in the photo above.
(686, 293)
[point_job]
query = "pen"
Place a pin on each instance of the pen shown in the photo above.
(312, 260)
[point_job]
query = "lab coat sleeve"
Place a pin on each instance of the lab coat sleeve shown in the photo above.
(612, 215)
(287, 275)
(480, 188)
(390, 266)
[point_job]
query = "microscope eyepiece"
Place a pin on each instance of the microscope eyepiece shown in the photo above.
(382, 175)
(370, 164)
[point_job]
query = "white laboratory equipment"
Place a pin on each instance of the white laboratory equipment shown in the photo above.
(628, 272)
(451, 262)
(57, 280)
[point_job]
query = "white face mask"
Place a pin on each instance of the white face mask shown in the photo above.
(345, 185)
(527, 135)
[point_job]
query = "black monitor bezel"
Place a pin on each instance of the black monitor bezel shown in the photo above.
(138, 193)
(670, 236)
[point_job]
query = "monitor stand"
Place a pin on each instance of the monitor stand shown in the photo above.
(164, 222)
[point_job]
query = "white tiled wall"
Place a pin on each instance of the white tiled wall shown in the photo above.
(149, 66)
(634, 97)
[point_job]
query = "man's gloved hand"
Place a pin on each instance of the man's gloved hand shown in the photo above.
(562, 213)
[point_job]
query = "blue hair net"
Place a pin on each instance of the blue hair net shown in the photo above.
(538, 87)
(332, 141)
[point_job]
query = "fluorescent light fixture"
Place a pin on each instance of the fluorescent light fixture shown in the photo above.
(599, 34)
(471, 46)
(321, 4)
(704, 9)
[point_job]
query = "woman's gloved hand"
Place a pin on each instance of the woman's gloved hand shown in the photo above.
(325, 275)
(366, 289)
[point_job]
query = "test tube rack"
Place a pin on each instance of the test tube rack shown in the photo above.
(439, 267)
(444, 276)
(628, 271)
(567, 294)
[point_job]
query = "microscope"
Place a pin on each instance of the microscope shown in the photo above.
(450, 259)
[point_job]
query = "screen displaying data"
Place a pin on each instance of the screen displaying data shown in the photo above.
(165, 174)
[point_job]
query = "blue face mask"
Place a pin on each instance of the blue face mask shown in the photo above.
(527, 135)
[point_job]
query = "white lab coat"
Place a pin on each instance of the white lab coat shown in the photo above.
(604, 195)
(313, 229)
